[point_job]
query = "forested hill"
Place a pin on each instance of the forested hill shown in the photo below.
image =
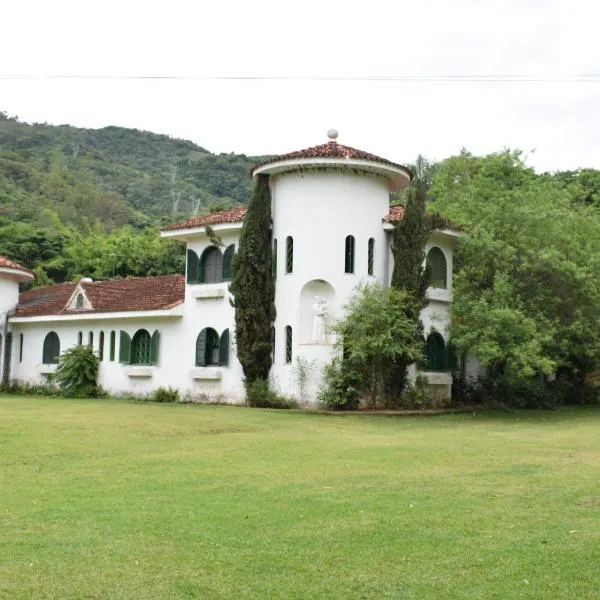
(113, 175)
(89, 202)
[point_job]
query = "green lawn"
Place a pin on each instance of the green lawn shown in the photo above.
(112, 499)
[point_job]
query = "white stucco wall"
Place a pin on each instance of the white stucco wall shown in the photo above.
(318, 209)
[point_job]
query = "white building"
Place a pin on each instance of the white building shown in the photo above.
(332, 228)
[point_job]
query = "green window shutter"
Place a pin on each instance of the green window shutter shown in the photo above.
(201, 349)
(370, 256)
(227, 262)
(224, 349)
(112, 345)
(349, 255)
(192, 267)
(289, 254)
(101, 347)
(124, 349)
(154, 348)
(201, 271)
(438, 268)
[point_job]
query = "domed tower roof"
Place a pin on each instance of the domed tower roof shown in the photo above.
(13, 270)
(336, 155)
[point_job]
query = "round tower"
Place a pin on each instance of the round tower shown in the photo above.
(329, 203)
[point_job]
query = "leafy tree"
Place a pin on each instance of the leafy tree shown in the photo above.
(527, 286)
(377, 332)
(253, 286)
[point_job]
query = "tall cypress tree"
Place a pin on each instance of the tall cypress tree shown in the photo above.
(408, 248)
(253, 286)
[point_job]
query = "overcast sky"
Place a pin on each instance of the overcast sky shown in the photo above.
(556, 123)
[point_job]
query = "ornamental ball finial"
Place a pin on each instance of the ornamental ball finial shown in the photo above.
(332, 135)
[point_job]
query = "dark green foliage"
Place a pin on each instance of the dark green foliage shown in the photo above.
(342, 386)
(162, 394)
(77, 372)
(253, 287)
(259, 395)
(82, 202)
(376, 334)
(408, 248)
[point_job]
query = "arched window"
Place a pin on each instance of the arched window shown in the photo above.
(101, 346)
(140, 348)
(208, 348)
(111, 354)
(7, 358)
(51, 349)
(288, 344)
(91, 339)
(79, 301)
(228, 262)
(21, 342)
(79, 338)
(370, 256)
(438, 270)
(289, 254)
(274, 259)
(435, 353)
(349, 255)
(211, 266)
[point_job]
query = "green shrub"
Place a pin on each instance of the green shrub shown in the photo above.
(164, 395)
(77, 372)
(39, 389)
(341, 389)
(260, 395)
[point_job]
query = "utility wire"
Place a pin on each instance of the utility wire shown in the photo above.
(587, 78)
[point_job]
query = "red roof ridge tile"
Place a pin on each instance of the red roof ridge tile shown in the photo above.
(7, 263)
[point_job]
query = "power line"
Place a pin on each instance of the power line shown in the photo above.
(587, 78)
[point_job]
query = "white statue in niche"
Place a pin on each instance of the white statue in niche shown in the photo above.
(319, 335)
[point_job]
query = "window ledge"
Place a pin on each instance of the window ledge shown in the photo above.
(47, 369)
(441, 294)
(437, 377)
(206, 373)
(139, 371)
(205, 293)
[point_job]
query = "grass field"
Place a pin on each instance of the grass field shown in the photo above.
(112, 499)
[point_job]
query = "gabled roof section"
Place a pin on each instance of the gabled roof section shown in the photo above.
(133, 294)
(79, 301)
(11, 265)
(231, 215)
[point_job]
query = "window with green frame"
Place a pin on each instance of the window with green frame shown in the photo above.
(141, 349)
(212, 350)
(370, 256)
(51, 349)
(101, 346)
(288, 344)
(289, 254)
(434, 356)
(438, 268)
(349, 254)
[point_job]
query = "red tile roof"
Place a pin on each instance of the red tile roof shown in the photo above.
(6, 263)
(133, 294)
(236, 215)
(231, 215)
(396, 214)
(330, 150)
